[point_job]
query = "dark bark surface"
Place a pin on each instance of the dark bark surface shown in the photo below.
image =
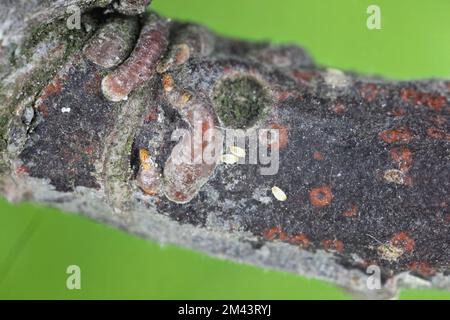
(87, 118)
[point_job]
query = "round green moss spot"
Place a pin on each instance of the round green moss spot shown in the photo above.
(240, 102)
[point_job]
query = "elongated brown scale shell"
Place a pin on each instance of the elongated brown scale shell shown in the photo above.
(141, 65)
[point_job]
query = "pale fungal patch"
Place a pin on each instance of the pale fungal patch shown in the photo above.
(260, 194)
(279, 194)
(229, 159)
(394, 176)
(389, 252)
(336, 78)
(65, 110)
(237, 151)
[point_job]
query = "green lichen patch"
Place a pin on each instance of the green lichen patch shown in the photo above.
(240, 102)
(3, 123)
(3, 130)
(3, 144)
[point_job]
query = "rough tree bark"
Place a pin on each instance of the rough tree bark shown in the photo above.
(87, 116)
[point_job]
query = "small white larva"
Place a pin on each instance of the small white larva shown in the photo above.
(237, 151)
(279, 194)
(229, 158)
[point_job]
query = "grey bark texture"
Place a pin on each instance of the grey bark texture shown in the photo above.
(87, 114)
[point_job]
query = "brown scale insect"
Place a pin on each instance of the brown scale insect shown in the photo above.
(112, 43)
(141, 65)
(192, 41)
(193, 159)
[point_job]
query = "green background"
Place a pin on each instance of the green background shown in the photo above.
(37, 244)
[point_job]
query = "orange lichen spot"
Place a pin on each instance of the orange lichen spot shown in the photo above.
(400, 134)
(275, 233)
(407, 94)
(318, 156)
(397, 112)
(338, 108)
(271, 234)
(151, 115)
(228, 69)
(423, 268)
(167, 82)
(438, 119)
(432, 100)
(144, 156)
(321, 196)
(402, 156)
(369, 91)
(22, 169)
(436, 102)
(206, 125)
(333, 245)
(299, 239)
(283, 137)
(283, 95)
(180, 196)
(89, 150)
(404, 241)
(52, 88)
(352, 212)
(438, 134)
(303, 76)
(43, 110)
